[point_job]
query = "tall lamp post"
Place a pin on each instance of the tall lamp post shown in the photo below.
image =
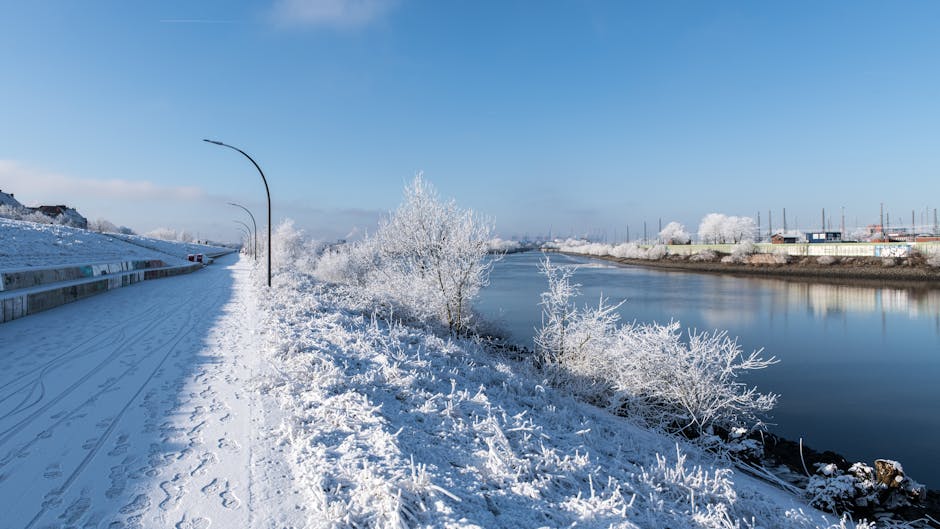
(266, 189)
(253, 223)
(240, 223)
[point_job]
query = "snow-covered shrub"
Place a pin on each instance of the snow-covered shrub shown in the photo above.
(706, 256)
(648, 371)
(169, 234)
(934, 261)
(105, 226)
(657, 252)
(349, 264)
(742, 250)
(827, 260)
(497, 245)
(291, 249)
(628, 250)
(674, 233)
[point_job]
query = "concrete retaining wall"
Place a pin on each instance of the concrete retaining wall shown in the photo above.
(38, 290)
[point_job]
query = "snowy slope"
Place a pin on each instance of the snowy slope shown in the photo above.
(388, 426)
(28, 244)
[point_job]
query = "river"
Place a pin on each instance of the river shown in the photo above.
(859, 366)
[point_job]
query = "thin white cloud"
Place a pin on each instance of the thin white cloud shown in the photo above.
(40, 186)
(343, 14)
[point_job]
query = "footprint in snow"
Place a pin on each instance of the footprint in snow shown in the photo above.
(229, 444)
(193, 523)
(206, 459)
(213, 487)
(140, 503)
(174, 490)
(229, 500)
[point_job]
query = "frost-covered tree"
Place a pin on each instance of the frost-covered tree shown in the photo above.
(674, 233)
(429, 258)
(436, 250)
(717, 228)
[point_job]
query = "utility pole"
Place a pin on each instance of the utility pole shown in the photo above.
(770, 224)
(645, 239)
(758, 226)
(823, 219)
(881, 220)
(628, 233)
(784, 221)
(843, 223)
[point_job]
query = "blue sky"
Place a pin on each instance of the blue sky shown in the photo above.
(575, 116)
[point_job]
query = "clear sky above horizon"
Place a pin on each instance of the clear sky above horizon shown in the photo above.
(579, 117)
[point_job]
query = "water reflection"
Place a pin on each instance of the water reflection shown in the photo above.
(824, 300)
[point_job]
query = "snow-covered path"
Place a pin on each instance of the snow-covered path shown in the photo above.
(131, 409)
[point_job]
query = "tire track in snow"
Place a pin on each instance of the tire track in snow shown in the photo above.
(102, 335)
(9, 433)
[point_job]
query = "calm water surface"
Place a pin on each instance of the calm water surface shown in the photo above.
(859, 366)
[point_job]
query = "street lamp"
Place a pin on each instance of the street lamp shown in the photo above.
(252, 222)
(266, 189)
(245, 233)
(247, 228)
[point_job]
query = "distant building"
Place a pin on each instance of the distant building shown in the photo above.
(823, 236)
(64, 214)
(6, 199)
(779, 238)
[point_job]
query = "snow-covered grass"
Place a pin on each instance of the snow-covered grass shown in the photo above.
(387, 425)
(29, 244)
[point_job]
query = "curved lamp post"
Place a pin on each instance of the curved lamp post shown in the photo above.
(253, 223)
(248, 229)
(266, 189)
(245, 233)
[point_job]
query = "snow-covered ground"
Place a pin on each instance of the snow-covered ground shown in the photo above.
(208, 400)
(28, 244)
(131, 409)
(389, 426)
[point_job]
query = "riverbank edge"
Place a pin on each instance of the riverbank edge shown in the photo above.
(868, 274)
(781, 451)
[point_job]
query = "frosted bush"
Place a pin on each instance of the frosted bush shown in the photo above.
(647, 371)
(657, 252)
(703, 256)
(498, 245)
(628, 250)
(741, 251)
(291, 249)
(826, 260)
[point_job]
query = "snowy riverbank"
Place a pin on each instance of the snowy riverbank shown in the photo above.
(387, 425)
